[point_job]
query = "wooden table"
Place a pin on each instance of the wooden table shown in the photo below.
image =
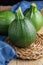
(24, 62)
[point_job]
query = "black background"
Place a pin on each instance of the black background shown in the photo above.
(11, 2)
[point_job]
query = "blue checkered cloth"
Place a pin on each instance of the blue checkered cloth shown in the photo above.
(6, 51)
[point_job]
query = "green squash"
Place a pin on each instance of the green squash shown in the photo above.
(7, 14)
(35, 16)
(4, 24)
(21, 31)
(6, 18)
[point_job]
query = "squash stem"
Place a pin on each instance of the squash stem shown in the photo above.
(19, 13)
(33, 7)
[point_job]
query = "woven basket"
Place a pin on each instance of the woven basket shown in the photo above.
(34, 51)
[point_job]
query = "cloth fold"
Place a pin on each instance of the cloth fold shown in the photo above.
(26, 4)
(6, 51)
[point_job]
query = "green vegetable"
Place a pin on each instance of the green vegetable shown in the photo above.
(6, 18)
(7, 14)
(35, 16)
(4, 24)
(21, 31)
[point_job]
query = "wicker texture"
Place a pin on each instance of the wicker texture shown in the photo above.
(34, 51)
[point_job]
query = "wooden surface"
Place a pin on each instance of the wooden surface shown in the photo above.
(24, 62)
(4, 8)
